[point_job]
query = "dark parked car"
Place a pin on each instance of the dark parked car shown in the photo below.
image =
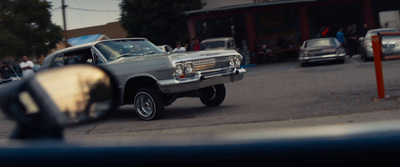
(321, 49)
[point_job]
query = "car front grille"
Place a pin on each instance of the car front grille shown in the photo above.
(210, 64)
(322, 53)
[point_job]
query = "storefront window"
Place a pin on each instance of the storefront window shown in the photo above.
(228, 26)
(278, 29)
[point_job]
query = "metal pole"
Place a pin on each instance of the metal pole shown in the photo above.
(377, 48)
(63, 14)
(15, 73)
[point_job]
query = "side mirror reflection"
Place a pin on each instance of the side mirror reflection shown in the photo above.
(80, 92)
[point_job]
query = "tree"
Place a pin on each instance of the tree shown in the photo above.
(26, 28)
(162, 22)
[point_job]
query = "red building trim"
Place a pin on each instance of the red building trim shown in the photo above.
(191, 29)
(368, 14)
(304, 25)
(250, 31)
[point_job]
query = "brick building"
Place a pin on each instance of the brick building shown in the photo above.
(253, 22)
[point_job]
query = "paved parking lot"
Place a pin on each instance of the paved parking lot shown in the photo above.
(270, 96)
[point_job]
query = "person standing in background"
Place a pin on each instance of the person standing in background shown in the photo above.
(340, 37)
(5, 72)
(26, 67)
(351, 37)
(364, 30)
(264, 54)
(196, 45)
(362, 34)
(179, 48)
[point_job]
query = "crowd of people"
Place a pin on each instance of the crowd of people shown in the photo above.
(349, 38)
(7, 71)
(194, 47)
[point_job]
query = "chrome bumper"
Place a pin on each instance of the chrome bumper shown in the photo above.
(199, 81)
(323, 58)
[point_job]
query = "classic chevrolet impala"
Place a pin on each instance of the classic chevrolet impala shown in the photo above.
(151, 79)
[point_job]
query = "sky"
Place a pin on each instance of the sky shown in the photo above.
(85, 13)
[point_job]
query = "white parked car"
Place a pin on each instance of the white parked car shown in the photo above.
(165, 48)
(226, 43)
(390, 44)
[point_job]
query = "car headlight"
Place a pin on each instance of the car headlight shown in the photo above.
(397, 44)
(369, 45)
(305, 54)
(237, 60)
(231, 61)
(179, 71)
(340, 51)
(189, 68)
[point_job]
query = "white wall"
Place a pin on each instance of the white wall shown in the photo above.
(390, 17)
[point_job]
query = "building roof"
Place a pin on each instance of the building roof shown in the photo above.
(86, 39)
(271, 3)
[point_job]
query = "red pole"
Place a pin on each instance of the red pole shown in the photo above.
(377, 48)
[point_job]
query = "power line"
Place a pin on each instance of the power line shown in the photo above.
(92, 10)
(55, 9)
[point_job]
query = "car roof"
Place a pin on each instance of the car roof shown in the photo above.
(87, 45)
(218, 39)
(381, 29)
(316, 39)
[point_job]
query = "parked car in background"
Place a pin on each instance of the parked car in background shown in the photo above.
(321, 49)
(226, 43)
(390, 44)
(152, 79)
(165, 48)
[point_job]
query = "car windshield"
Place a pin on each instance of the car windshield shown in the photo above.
(113, 50)
(213, 45)
(321, 43)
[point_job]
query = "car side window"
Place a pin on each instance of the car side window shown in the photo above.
(78, 57)
(58, 61)
(97, 60)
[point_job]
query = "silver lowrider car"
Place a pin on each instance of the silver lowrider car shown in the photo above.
(151, 79)
(321, 49)
(390, 44)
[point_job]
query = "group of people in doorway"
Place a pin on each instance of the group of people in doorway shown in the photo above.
(7, 71)
(194, 47)
(349, 38)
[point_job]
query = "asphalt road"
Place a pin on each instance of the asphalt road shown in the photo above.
(278, 93)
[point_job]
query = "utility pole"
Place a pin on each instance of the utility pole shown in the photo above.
(63, 14)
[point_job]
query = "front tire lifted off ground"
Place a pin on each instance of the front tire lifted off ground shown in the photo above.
(149, 104)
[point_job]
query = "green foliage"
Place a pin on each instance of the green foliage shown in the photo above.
(26, 28)
(161, 21)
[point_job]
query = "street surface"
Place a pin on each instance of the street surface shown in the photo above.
(271, 96)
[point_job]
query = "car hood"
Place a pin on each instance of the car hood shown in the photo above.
(201, 54)
(177, 57)
(138, 58)
(319, 49)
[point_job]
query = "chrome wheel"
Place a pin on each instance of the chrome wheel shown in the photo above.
(144, 105)
(149, 104)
